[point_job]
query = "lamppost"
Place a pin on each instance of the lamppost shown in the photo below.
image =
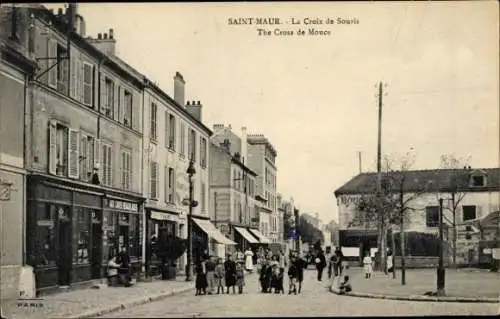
(191, 203)
(297, 236)
(441, 271)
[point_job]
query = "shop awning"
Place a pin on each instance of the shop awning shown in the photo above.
(213, 232)
(263, 239)
(248, 237)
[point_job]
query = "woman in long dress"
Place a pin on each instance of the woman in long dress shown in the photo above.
(249, 260)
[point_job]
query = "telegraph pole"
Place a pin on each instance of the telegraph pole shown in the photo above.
(379, 171)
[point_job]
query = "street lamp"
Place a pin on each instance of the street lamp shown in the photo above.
(191, 203)
(440, 270)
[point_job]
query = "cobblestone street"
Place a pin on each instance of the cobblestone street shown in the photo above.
(315, 300)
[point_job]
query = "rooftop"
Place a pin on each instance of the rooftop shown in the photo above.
(434, 180)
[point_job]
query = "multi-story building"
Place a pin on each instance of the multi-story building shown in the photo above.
(84, 192)
(475, 194)
(262, 160)
(175, 136)
(16, 70)
(234, 206)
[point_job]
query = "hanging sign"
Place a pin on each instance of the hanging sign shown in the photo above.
(163, 216)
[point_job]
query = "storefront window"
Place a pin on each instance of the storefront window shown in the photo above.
(45, 239)
(110, 233)
(81, 249)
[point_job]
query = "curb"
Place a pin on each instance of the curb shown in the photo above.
(135, 302)
(416, 297)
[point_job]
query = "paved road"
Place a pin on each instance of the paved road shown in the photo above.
(315, 300)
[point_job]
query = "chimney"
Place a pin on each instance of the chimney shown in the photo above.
(179, 84)
(226, 144)
(104, 43)
(194, 108)
(71, 13)
(244, 150)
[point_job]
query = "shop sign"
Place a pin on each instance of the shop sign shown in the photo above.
(118, 204)
(163, 216)
(350, 200)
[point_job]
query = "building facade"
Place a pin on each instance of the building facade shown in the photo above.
(174, 136)
(233, 195)
(84, 197)
(476, 194)
(16, 70)
(262, 160)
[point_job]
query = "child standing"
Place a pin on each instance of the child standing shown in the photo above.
(367, 262)
(219, 276)
(240, 276)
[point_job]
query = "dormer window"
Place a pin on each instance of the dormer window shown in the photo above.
(478, 179)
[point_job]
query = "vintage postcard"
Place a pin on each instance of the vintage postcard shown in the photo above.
(249, 159)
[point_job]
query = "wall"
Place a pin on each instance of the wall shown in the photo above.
(12, 179)
(256, 164)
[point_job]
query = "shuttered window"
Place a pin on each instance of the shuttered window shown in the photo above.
(153, 179)
(87, 147)
(166, 129)
(202, 197)
(171, 137)
(153, 122)
(87, 80)
(182, 150)
(166, 189)
(192, 145)
(171, 185)
(107, 96)
(127, 108)
(203, 152)
(107, 164)
(126, 169)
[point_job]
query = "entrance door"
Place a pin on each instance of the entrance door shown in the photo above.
(123, 237)
(65, 256)
(96, 250)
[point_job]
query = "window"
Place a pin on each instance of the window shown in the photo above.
(202, 197)
(478, 181)
(166, 129)
(192, 145)
(134, 245)
(126, 168)
(62, 69)
(182, 150)
(108, 97)
(88, 83)
(127, 108)
(469, 212)
(153, 174)
(171, 185)
(153, 122)
(107, 164)
(81, 249)
(58, 149)
(87, 146)
(432, 216)
(52, 54)
(203, 152)
(171, 127)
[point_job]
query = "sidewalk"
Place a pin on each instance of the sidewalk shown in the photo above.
(460, 285)
(92, 302)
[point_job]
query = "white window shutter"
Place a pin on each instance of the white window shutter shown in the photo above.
(52, 147)
(80, 80)
(52, 73)
(121, 106)
(73, 153)
(97, 152)
(74, 73)
(103, 100)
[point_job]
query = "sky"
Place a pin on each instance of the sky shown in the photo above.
(314, 97)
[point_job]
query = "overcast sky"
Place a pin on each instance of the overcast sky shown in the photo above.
(314, 96)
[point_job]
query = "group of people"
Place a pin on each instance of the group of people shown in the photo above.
(118, 269)
(272, 272)
(212, 273)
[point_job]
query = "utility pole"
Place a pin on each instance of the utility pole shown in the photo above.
(379, 175)
(454, 228)
(359, 163)
(441, 271)
(402, 233)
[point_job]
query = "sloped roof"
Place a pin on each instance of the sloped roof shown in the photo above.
(442, 180)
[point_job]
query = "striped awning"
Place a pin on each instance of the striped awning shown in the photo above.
(212, 231)
(262, 239)
(245, 234)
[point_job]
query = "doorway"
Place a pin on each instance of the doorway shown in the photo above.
(96, 250)
(65, 256)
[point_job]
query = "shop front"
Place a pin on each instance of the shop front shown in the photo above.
(73, 228)
(263, 240)
(211, 238)
(244, 238)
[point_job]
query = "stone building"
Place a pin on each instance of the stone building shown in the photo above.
(233, 197)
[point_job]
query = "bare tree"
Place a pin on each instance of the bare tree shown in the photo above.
(458, 177)
(393, 205)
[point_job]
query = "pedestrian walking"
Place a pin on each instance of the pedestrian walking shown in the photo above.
(249, 260)
(320, 264)
(240, 277)
(219, 276)
(367, 264)
(210, 268)
(230, 273)
(329, 265)
(264, 276)
(292, 277)
(390, 261)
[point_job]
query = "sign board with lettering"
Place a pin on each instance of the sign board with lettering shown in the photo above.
(348, 200)
(122, 205)
(163, 216)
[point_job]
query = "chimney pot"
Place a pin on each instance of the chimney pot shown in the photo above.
(99, 36)
(111, 34)
(199, 103)
(188, 103)
(229, 126)
(105, 35)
